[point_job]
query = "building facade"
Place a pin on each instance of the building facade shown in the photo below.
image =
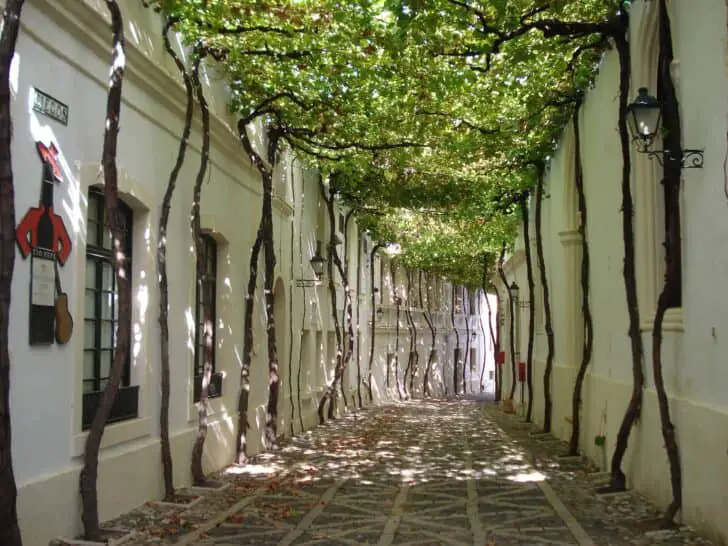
(695, 340)
(59, 86)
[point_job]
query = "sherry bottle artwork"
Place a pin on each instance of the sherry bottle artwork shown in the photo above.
(42, 235)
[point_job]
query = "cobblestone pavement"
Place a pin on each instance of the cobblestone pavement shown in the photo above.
(417, 473)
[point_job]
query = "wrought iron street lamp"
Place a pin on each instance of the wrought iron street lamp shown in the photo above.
(317, 264)
(644, 118)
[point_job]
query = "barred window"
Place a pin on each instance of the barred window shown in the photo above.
(101, 305)
(101, 315)
(208, 284)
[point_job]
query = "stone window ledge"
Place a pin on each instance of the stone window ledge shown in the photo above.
(116, 434)
(216, 410)
(673, 321)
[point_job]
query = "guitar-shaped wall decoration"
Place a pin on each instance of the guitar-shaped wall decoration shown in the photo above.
(64, 320)
(42, 235)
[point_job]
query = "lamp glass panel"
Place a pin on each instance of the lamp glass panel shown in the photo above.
(646, 121)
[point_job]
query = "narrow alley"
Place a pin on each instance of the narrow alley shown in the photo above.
(418, 473)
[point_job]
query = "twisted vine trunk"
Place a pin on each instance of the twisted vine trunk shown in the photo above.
(330, 391)
(456, 358)
(498, 367)
(349, 352)
(512, 340)
(290, 321)
(668, 429)
(585, 308)
(358, 322)
(414, 355)
(300, 360)
(493, 339)
(264, 240)
(424, 314)
(548, 324)
(485, 355)
(618, 479)
(389, 363)
(340, 366)
(89, 472)
(348, 311)
(269, 256)
(531, 306)
(9, 530)
(431, 357)
(671, 292)
(166, 451)
(412, 339)
(241, 452)
(303, 307)
(408, 322)
(398, 306)
(374, 321)
(466, 358)
(198, 476)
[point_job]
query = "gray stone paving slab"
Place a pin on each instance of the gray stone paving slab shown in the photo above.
(606, 519)
(418, 473)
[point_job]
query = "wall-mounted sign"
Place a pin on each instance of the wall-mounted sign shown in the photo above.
(42, 235)
(43, 281)
(44, 104)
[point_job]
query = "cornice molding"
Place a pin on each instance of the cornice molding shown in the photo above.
(671, 322)
(90, 26)
(570, 237)
(515, 260)
(282, 206)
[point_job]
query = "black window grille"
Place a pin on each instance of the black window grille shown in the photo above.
(208, 283)
(101, 308)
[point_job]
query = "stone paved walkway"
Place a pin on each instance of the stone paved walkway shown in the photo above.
(418, 473)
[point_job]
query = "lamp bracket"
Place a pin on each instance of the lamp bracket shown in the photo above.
(691, 159)
(307, 283)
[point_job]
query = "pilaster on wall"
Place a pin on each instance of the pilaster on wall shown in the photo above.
(513, 262)
(649, 250)
(537, 289)
(648, 220)
(571, 198)
(574, 327)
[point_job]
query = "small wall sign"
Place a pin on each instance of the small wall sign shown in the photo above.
(43, 279)
(44, 104)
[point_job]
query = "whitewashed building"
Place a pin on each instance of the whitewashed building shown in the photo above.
(59, 86)
(695, 337)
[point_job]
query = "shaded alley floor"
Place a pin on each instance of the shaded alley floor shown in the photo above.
(416, 473)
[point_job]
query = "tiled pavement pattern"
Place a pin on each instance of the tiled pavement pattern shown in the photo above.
(623, 518)
(418, 473)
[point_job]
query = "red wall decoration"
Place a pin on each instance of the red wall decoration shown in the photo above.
(42, 235)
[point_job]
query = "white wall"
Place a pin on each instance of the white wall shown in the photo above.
(64, 50)
(694, 341)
